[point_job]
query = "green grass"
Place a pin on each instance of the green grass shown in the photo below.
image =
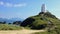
(9, 27)
(53, 31)
(46, 32)
(40, 33)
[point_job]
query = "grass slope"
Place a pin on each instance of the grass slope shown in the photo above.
(39, 21)
(9, 27)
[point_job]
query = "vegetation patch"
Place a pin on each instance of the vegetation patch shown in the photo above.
(9, 27)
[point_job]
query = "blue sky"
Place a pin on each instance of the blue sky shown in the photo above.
(26, 8)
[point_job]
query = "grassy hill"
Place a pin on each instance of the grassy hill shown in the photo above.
(40, 21)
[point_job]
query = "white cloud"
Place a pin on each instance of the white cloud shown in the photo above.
(8, 5)
(19, 5)
(1, 3)
(5, 4)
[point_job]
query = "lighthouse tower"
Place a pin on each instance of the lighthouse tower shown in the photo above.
(43, 8)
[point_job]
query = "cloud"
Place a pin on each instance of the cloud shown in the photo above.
(1, 3)
(5, 4)
(19, 5)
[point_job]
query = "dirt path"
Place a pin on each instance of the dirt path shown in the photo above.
(24, 31)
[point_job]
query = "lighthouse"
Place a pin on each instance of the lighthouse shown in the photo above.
(43, 8)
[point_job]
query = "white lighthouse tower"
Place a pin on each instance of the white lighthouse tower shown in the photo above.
(43, 8)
